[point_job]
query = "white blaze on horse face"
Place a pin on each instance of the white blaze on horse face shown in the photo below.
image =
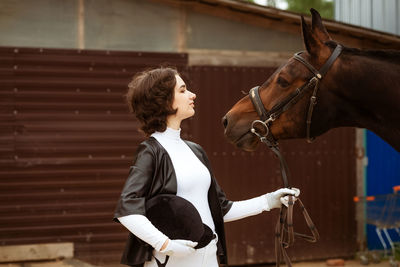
(183, 100)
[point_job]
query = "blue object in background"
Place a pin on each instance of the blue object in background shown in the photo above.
(383, 172)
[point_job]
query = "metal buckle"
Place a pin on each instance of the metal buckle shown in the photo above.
(271, 118)
(254, 131)
(264, 124)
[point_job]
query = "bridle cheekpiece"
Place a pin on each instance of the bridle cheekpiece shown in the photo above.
(267, 117)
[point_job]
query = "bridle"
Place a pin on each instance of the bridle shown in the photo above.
(267, 117)
(284, 233)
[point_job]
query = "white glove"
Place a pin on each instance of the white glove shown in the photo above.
(277, 198)
(179, 248)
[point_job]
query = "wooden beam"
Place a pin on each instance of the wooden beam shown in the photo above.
(35, 252)
(207, 57)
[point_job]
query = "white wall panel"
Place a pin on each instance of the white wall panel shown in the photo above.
(381, 15)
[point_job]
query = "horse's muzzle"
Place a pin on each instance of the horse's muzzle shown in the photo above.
(224, 121)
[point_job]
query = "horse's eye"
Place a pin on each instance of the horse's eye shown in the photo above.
(282, 82)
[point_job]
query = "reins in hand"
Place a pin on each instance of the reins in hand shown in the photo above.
(284, 231)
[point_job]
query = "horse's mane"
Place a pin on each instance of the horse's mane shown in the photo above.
(389, 55)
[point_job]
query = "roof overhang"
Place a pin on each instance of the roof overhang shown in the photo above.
(286, 21)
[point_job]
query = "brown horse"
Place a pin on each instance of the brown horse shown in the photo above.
(360, 89)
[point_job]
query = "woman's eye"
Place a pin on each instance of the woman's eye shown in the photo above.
(282, 82)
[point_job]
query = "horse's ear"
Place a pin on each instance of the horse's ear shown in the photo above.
(318, 28)
(308, 39)
(315, 36)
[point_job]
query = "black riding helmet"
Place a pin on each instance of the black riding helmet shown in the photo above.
(177, 218)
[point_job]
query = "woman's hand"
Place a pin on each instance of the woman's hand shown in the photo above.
(277, 198)
(179, 247)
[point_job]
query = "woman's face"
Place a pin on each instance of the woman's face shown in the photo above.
(183, 100)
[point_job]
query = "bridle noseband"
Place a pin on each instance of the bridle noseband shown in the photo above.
(267, 117)
(284, 233)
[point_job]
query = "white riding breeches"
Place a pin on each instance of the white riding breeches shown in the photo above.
(203, 257)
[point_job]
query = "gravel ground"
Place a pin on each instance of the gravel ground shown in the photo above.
(78, 263)
(348, 263)
(56, 263)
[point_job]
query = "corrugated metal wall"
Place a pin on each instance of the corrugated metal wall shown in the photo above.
(67, 141)
(374, 14)
(324, 170)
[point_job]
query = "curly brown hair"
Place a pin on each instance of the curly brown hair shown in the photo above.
(150, 96)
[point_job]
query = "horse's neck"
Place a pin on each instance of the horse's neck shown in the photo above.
(368, 96)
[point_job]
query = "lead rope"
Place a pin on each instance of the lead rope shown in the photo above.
(284, 232)
(159, 264)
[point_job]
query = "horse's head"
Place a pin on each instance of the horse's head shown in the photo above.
(278, 88)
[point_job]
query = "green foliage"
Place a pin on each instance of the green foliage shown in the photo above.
(270, 3)
(324, 7)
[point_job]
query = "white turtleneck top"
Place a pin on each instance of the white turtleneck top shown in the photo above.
(193, 178)
(193, 182)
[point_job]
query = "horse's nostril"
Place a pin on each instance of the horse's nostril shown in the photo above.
(224, 121)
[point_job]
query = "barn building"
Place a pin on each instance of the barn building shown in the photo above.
(68, 139)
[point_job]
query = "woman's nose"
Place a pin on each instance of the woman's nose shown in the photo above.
(193, 96)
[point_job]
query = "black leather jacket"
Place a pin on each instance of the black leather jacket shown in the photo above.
(152, 173)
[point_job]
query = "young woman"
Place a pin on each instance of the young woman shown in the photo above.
(166, 164)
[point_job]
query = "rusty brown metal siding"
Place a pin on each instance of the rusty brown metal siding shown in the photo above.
(66, 144)
(324, 170)
(67, 141)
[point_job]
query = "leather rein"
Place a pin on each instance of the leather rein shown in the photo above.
(284, 233)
